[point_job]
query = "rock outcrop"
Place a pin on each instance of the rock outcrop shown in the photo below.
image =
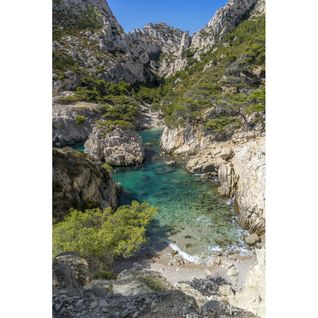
(136, 295)
(239, 164)
(79, 182)
(244, 177)
(70, 271)
(73, 123)
(224, 21)
(252, 297)
(117, 146)
(88, 37)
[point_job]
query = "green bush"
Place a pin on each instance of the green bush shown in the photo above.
(110, 125)
(100, 235)
(107, 167)
(67, 99)
(80, 119)
(222, 124)
(154, 283)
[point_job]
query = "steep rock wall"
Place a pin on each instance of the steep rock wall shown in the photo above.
(80, 183)
(239, 163)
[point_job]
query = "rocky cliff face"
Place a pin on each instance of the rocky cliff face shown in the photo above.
(117, 146)
(252, 297)
(239, 164)
(88, 38)
(80, 183)
(73, 123)
(224, 20)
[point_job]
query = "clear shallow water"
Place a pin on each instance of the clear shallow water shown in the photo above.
(191, 215)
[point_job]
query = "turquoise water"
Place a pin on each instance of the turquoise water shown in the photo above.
(191, 215)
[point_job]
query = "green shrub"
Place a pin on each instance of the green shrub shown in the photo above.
(222, 124)
(67, 99)
(80, 119)
(110, 125)
(100, 235)
(107, 167)
(155, 284)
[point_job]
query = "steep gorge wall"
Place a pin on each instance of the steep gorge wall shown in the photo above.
(239, 164)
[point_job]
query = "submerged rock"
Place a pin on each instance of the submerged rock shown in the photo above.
(80, 182)
(118, 146)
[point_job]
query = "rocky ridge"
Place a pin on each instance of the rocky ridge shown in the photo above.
(88, 38)
(224, 20)
(79, 182)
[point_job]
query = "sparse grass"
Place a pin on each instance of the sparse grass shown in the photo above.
(80, 119)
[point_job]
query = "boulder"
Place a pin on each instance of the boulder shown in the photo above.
(117, 146)
(70, 271)
(252, 239)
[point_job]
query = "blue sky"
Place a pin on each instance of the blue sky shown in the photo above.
(187, 15)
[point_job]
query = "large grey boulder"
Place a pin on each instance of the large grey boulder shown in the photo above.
(117, 146)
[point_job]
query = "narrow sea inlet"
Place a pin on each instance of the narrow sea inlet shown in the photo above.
(191, 216)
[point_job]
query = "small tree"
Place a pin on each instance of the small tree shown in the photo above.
(235, 103)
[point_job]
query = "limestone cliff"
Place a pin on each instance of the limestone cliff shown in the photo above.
(239, 163)
(88, 39)
(73, 123)
(80, 183)
(115, 145)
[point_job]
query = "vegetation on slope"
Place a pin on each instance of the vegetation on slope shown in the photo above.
(98, 235)
(228, 81)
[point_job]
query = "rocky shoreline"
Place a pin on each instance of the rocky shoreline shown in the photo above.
(146, 285)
